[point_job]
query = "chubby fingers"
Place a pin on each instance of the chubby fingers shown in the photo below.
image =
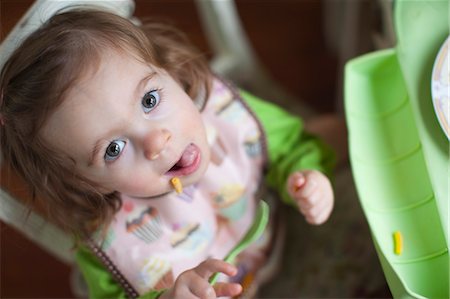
(225, 289)
(313, 194)
(211, 266)
(301, 185)
(194, 283)
(318, 213)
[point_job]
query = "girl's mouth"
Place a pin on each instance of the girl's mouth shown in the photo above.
(188, 162)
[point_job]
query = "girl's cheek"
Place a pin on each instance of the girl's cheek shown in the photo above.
(162, 111)
(135, 184)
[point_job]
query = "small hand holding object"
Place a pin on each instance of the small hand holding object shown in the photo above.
(194, 283)
(312, 192)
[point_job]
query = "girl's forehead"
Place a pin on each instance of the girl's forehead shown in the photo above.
(112, 65)
(115, 75)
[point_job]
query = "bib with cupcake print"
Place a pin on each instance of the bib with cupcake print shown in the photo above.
(151, 241)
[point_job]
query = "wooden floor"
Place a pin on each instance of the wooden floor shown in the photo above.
(287, 36)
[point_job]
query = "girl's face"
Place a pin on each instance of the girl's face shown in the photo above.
(130, 128)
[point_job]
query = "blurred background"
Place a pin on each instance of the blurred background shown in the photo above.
(303, 44)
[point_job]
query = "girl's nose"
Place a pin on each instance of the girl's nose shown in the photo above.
(155, 142)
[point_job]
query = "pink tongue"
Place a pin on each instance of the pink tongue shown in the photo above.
(188, 156)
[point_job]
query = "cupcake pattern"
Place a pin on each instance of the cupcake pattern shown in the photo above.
(143, 222)
(231, 201)
(155, 273)
(235, 113)
(188, 193)
(252, 144)
(190, 238)
(181, 234)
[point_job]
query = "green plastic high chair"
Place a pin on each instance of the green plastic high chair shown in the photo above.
(399, 148)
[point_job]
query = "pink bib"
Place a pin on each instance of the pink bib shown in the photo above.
(151, 241)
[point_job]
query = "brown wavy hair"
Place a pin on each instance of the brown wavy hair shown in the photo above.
(34, 81)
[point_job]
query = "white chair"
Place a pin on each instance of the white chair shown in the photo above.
(234, 57)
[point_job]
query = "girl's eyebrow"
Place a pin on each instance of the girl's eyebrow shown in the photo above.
(98, 145)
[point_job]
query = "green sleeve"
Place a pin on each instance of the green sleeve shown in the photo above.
(100, 281)
(289, 147)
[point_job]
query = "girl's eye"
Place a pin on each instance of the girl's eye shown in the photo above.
(114, 149)
(150, 100)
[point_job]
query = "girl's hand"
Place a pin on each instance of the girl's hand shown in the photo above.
(194, 283)
(313, 194)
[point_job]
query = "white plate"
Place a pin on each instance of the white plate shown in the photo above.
(440, 87)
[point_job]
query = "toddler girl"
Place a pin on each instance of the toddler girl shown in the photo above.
(98, 115)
